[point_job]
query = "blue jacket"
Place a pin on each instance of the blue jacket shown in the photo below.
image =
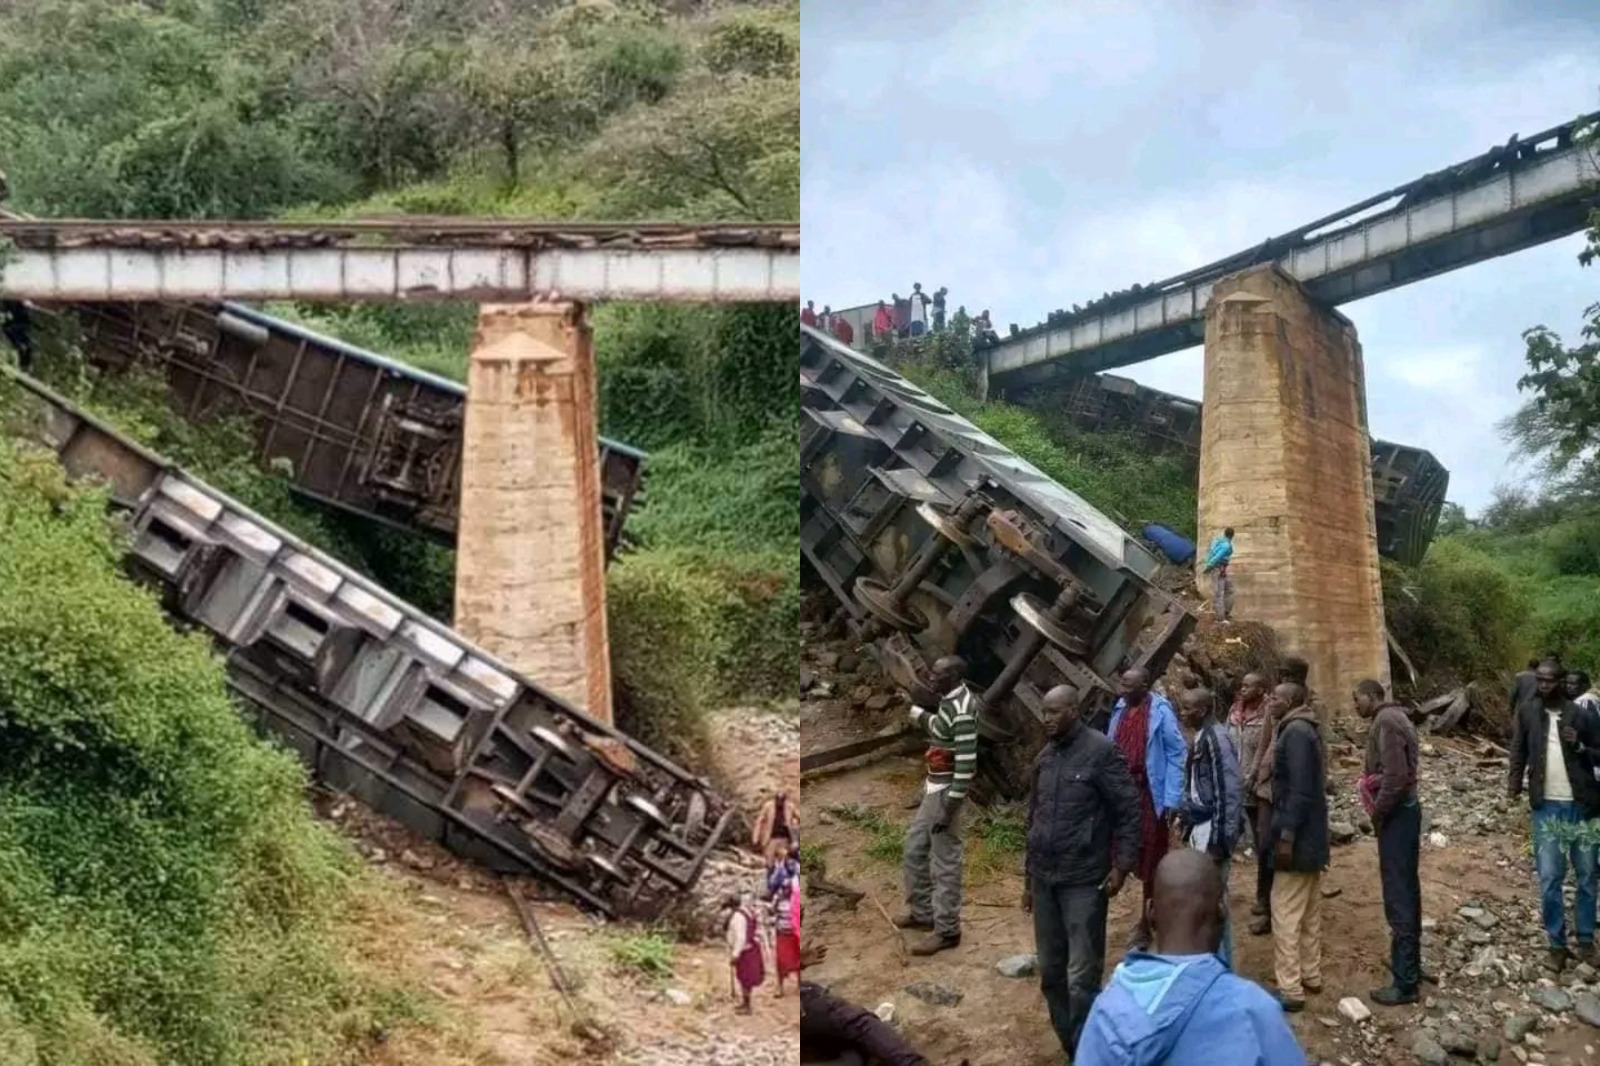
(1220, 552)
(1184, 1010)
(1216, 795)
(1165, 751)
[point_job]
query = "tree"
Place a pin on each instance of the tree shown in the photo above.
(1560, 426)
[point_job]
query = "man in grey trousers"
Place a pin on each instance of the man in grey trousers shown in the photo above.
(932, 864)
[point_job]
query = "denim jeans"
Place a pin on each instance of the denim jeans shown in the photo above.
(1551, 856)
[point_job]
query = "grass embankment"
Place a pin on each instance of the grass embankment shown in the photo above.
(165, 893)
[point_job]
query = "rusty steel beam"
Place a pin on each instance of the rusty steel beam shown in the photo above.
(386, 704)
(351, 428)
(936, 539)
(402, 259)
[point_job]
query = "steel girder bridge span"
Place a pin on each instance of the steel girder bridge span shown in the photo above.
(1516, 196)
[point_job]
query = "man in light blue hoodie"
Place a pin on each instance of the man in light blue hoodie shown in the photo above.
(1179, 1006)
(1217, 559)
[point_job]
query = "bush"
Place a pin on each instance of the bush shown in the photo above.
(1574, 545)
(662, 612)
(1460, 616)
(165, 894)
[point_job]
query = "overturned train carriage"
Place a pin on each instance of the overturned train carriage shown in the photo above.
(1408, 484)
(936, 539)
(390, 706)
(351, 428)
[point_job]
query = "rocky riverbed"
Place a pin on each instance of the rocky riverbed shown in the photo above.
(1493, 1001)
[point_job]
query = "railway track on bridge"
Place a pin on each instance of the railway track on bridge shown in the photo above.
(411, 230)
(383, 702)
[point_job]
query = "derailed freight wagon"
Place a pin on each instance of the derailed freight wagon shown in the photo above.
(936, 539)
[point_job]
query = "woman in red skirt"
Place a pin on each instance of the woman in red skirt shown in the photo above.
(744, 950)
(786, 915)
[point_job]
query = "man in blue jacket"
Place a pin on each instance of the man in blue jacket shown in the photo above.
(1179, 1006)
(1211, 815)
(1145, 729)
(1216, 564)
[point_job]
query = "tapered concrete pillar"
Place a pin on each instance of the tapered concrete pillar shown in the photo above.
(530, 554)
(1285, 460)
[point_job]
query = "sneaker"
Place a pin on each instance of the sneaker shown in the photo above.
(1290, 1004)
(934, 943)
(1555, 959)
(911, 921)
(1393, 996)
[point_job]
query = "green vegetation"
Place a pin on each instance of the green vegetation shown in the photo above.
(650, 954)
(993, 841)
(165, 895)
(163, 889)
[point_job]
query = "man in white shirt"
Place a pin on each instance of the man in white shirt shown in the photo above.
(918, 321)
(1554, 745)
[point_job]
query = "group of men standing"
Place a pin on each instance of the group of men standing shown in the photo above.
(899, 316)
(1106, 805)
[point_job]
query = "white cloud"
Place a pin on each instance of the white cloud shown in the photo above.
(1037, 159)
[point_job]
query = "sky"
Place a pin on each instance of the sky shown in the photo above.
(1038, 159)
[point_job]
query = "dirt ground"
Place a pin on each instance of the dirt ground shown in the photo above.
(450, 931)
(1002, 1021)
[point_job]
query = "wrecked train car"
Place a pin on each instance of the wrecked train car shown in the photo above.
(388, 705)
(936, 539)
(352, 429)
(1408, 484)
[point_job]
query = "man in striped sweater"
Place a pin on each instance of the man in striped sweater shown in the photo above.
(932, 870)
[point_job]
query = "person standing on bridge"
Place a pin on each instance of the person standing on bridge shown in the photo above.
(938, 308)
(1389, 796)
(1216, 564)
(1144, 728)
(932, 864)
(843, 330)
(808, 314)
(1083, 826)
(1553, 747)
(882, 322)
(917, 319)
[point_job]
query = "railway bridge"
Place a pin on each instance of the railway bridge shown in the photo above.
(1285, 457)
(495, 737)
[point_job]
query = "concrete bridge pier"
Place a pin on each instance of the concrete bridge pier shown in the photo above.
(1285, 460)
(530, 563)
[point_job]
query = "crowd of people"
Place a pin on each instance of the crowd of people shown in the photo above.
(899, 316)
(1169, 793)
(765, 925)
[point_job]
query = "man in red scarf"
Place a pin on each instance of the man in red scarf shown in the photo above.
(1144, 728)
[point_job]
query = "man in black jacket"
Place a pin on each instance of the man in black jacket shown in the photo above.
(1554, 743)
(1211, 815)
(1389, 795)
(1083, 840)
(1299, 848)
